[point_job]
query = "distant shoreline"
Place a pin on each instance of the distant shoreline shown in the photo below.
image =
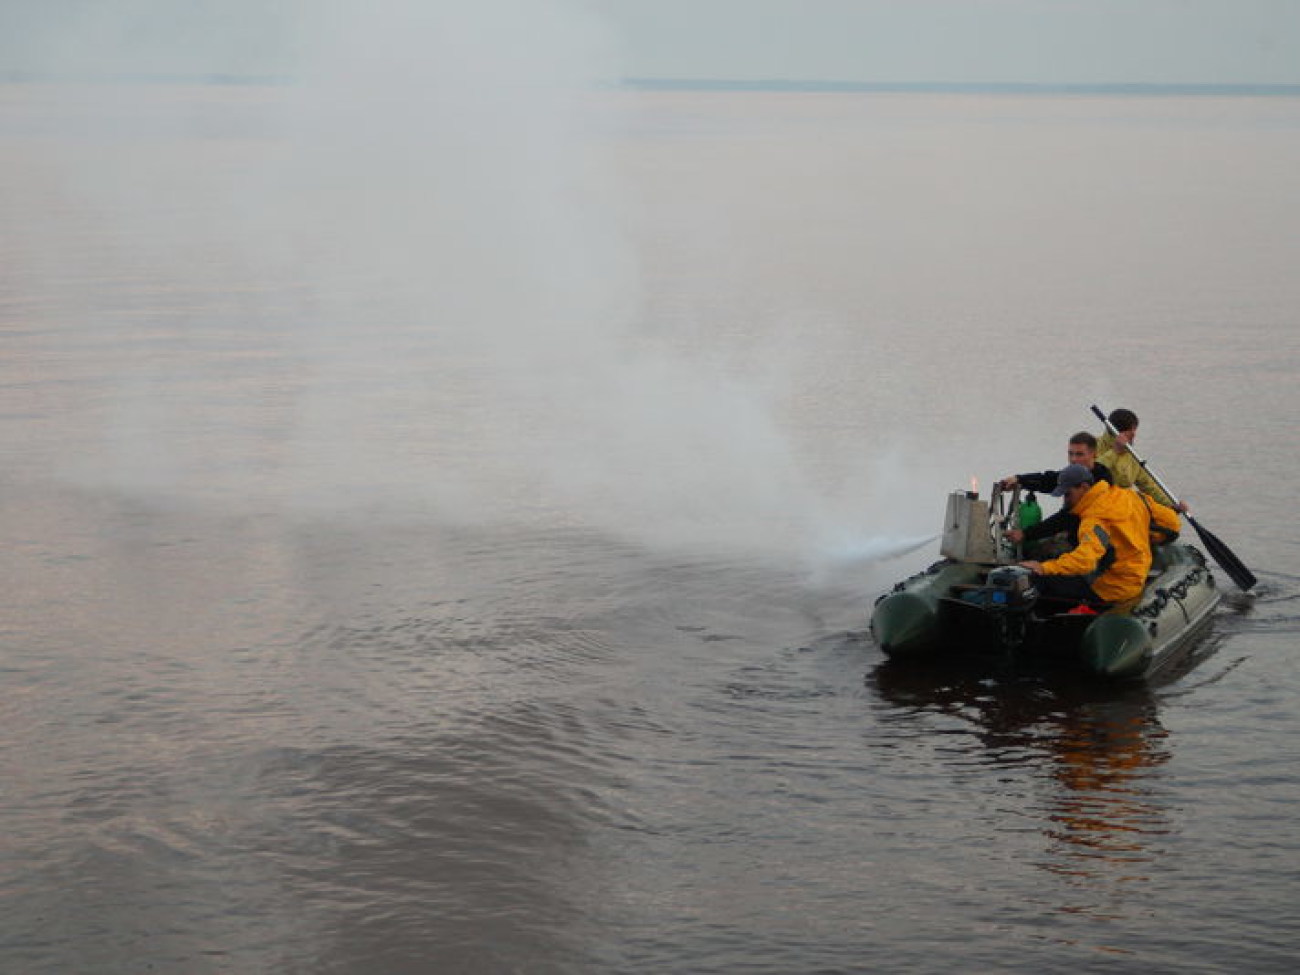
(758, 85)
(972, 88)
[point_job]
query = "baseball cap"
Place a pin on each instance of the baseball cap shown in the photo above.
(1071, 476)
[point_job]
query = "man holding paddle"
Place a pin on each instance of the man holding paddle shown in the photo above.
(1113, 451)
(1229, 562)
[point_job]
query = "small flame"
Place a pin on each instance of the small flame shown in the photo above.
(974, 485)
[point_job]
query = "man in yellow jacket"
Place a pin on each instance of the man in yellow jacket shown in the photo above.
(1124, 467)
(1111, 561)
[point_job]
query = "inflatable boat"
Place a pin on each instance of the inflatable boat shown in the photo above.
(977, 600)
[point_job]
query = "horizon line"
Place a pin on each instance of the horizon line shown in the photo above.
(790, 85)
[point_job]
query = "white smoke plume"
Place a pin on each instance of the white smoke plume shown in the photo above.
(390, 277)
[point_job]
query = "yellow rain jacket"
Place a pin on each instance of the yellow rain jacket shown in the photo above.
(1114, 550)
(1126, 470)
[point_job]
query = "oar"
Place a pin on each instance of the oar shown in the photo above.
(1232, 565)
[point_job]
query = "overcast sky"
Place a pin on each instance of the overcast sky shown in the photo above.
(1044, 41)
(1035, 41)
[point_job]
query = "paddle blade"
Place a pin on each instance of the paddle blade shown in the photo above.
(1229, 562)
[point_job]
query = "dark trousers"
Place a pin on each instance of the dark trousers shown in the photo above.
(1067, 587)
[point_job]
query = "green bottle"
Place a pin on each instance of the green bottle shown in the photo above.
(1029, 514)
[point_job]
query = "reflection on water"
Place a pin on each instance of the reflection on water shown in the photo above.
(1104, 817)
(1091, 754)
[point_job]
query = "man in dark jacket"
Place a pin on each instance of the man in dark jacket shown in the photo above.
(1081, 450)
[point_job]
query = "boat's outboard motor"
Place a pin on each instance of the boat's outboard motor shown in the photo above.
(1010, 587)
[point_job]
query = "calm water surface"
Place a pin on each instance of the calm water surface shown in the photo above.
(486, 613)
